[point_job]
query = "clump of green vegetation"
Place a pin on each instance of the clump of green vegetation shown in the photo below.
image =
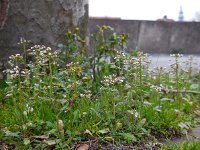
(60, 98)
(184, 145)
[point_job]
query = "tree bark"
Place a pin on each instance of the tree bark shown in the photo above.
(43, 22)
(4, 5)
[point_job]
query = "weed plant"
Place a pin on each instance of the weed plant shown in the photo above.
(55, 99)
(189, 144)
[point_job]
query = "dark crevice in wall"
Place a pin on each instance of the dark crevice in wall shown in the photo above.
(138, 35)
(169, 39)
(4, 5)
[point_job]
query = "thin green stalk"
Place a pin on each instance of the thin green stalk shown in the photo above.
(50, 76)
(177, 73)
(140, 76)
(114, 103)
(25, 57)
(20, 89)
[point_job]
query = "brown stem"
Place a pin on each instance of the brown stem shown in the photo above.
(165, 90)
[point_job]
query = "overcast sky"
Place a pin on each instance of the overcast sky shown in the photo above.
(143, 9)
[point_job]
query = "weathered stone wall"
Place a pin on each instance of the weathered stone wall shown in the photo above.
(154, 36)
(42, 22)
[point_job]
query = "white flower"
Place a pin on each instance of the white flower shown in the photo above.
(25, 113)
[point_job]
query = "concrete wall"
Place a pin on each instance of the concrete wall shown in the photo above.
(44, 22)
(155, 36)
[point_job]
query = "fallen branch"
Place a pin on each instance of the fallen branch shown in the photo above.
(179, 91)
(165, 90)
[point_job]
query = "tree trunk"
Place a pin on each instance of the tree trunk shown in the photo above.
(43, 22)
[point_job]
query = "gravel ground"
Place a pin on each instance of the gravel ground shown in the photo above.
(165, 61)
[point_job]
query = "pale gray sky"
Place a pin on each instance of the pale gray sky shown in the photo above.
(143, 9)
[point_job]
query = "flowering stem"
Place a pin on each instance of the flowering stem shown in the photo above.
(177, 74)
(113, 101)
(20, 89)
(51, 76)
(24, 47)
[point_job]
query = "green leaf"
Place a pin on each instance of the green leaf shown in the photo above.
(135, 53)
(76, 114)
(88, 132)
(147, 103)
(109, 138)
(143, 121)
(3, 84)
(27, 141)
(157, 108)
(12, 134)
(51, 142)
(128, 137)
(194, 86)
(167, 99)
(183, 125)
(104, 131)
(119, 125)
(52, 132)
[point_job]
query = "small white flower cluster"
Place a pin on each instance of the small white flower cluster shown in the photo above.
(131, 61)
(28, 110)
(56, 54)
(46, 51)
(127, 86)
(73, 68)
(25, 73)
(41, 53)
(145, 59)
(16, 56)
(38, 48)
(176, 55)
(74, 84)
(15, 60)
(14, 73)
(17, 72)
(27, 125)
(157, 88)
(86, 94)
(120, 57)
(121, 54)
(72, 65)
(134, 113)
(157, 71)
(112, 79)
(9, 93)
(23, 41)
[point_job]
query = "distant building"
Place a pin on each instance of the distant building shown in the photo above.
(181, 16)
(165, 19)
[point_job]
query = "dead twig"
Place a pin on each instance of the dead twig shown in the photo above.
(179, 91)
(165, 90)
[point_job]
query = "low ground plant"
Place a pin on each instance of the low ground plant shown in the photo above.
(189, 144)
(62, 99)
